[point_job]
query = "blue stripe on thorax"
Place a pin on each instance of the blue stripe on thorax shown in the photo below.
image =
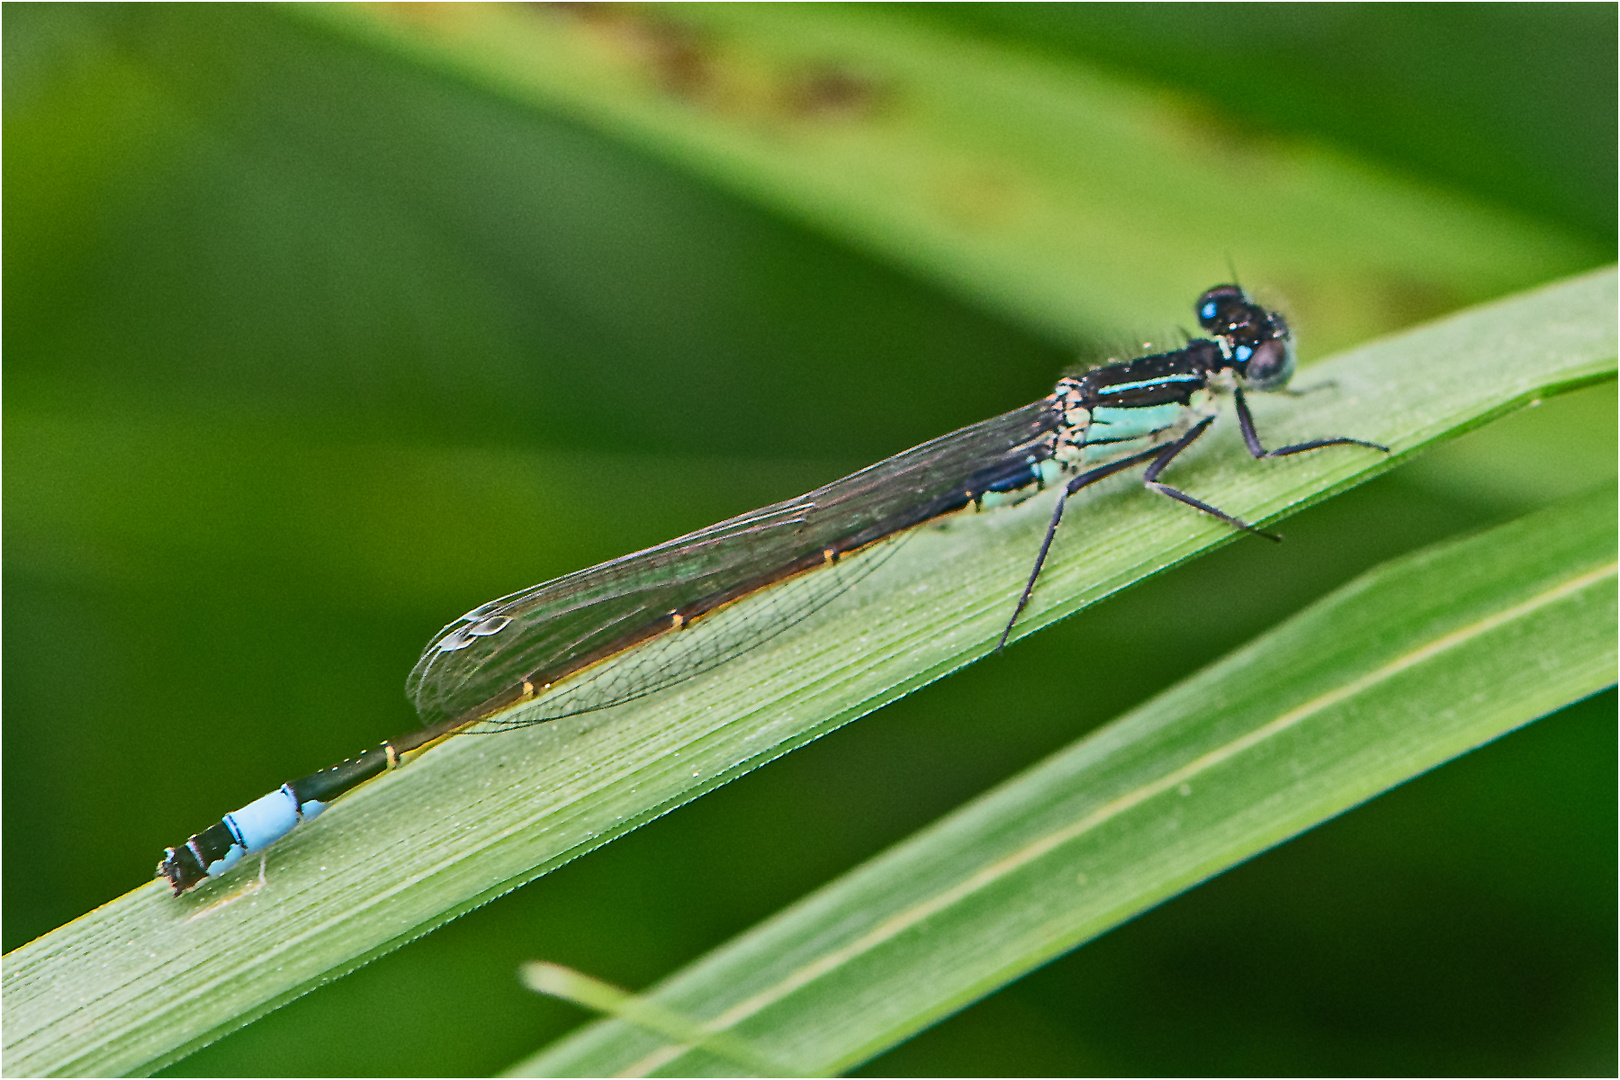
(1120, 388)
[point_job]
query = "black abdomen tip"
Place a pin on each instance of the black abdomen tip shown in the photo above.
(180, 868)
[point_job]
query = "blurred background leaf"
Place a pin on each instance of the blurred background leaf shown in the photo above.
(1048, 189)
(316, 337)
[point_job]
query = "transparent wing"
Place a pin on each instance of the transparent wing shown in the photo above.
(669, 657)
(546, 642)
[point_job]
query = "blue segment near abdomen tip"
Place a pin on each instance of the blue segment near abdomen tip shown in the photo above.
(256, 826)
(264, 821)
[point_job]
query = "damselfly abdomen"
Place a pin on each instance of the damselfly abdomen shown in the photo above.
(636, 625)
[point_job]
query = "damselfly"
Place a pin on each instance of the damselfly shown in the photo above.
(641, 623)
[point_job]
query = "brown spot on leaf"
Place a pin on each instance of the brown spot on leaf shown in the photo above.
(831, 92)
(677, 58)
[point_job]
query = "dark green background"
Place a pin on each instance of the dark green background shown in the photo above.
(308, 350)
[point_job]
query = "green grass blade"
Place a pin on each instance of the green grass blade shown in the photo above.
(1071, 199)
(145, 978)
(570, 985)
(1415, 662)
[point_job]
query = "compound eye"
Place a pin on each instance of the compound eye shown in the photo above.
(1270, 365)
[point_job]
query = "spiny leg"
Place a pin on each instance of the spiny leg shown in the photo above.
(1102, 472)
(1166, 455)
(1251, 438)
(1160, 456)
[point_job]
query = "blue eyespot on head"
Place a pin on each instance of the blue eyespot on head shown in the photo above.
(1242, 353)
(1222, 307)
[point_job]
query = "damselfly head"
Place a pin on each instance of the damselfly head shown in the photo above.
(1256, 342)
